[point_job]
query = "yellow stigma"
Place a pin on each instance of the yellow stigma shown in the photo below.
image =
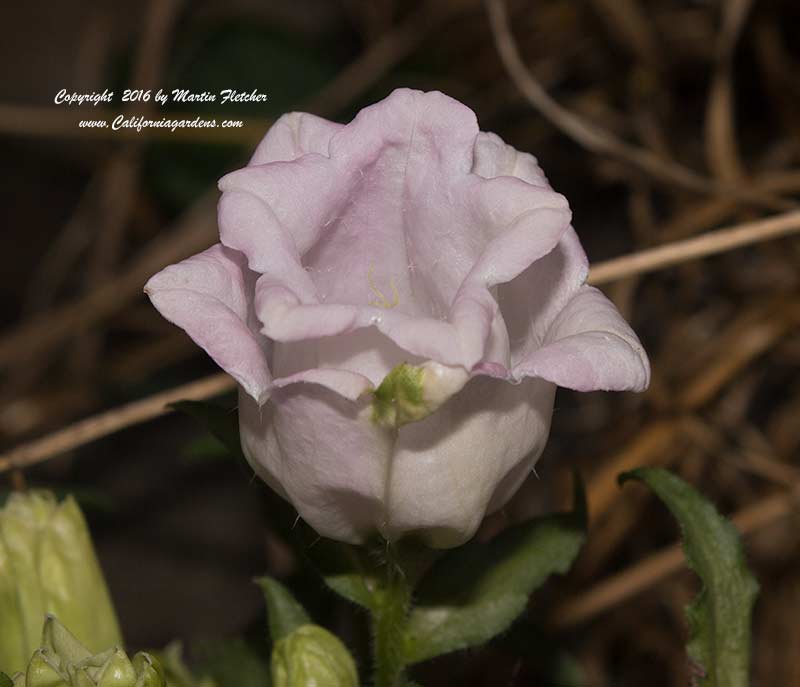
(380, 301)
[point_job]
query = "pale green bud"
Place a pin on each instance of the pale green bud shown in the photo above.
(410, 393)
(48, 566)
(62, 661)
(312, 657)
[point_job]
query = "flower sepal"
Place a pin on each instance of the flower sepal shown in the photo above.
(62, 661)
(410, 393)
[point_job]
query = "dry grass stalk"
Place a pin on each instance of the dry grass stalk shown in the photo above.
(101, 425)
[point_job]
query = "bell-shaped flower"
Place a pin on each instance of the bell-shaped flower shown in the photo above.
(398, 299)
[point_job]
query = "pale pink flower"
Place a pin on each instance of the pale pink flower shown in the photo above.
(405, 236)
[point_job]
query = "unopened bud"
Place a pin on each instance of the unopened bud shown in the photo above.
(48, 566)
(62, 661)
(312, 657)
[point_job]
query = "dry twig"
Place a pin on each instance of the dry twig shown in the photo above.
(111, 421)
(598, 140)
(702, 246)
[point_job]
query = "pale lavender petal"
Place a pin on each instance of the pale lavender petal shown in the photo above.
(329, 458)
(466, 458)
(207, 296)
(286, 319)
(589, 347)
(285, 187)
(495, 158)
(249, 225)
(349, 385)
(397, 233)
(294, 135)
(532, 300)
(366, 352)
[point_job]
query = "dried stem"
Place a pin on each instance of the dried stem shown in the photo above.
(195, 230)
(598, 140)
(101, 425)
(707, 244)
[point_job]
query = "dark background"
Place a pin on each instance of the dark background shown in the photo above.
(182, 529)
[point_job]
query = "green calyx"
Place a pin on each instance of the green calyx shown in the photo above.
(48, 566)
(62, 661)
(400, 398)
(311, 656)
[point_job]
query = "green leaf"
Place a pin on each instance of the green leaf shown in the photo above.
(476, 591)
(233, 663)
(284, 613)
(347, 570)
(719, 618)
(221, 422)
(5, 681)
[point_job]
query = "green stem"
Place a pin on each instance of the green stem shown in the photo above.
(389, 618)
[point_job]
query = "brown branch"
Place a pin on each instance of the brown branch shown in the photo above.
(707, 244)
(101, 425)
(598, 140)
(120, 177)
(588, 135)
(195, 230)
(648, 447)
(722, 150)
(751, 334)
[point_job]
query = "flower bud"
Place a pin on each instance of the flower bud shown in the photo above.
(312, 657)
(62, 661)
(48, 566)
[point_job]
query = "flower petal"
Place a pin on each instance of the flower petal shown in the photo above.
(467, 458)
(249, 225)
(347, 384)
(495, 158)
(530, 302)
(589, 347)
(329, 458)
(294, 135)
(285, 189)
(398, 232)
(206, 295)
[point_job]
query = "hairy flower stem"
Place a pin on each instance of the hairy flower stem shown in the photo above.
(389, 618)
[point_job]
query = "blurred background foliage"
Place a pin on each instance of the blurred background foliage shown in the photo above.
(182, 529)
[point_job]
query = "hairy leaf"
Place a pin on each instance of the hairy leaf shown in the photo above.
(719, 618)
(347, 570)
(476, 591)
